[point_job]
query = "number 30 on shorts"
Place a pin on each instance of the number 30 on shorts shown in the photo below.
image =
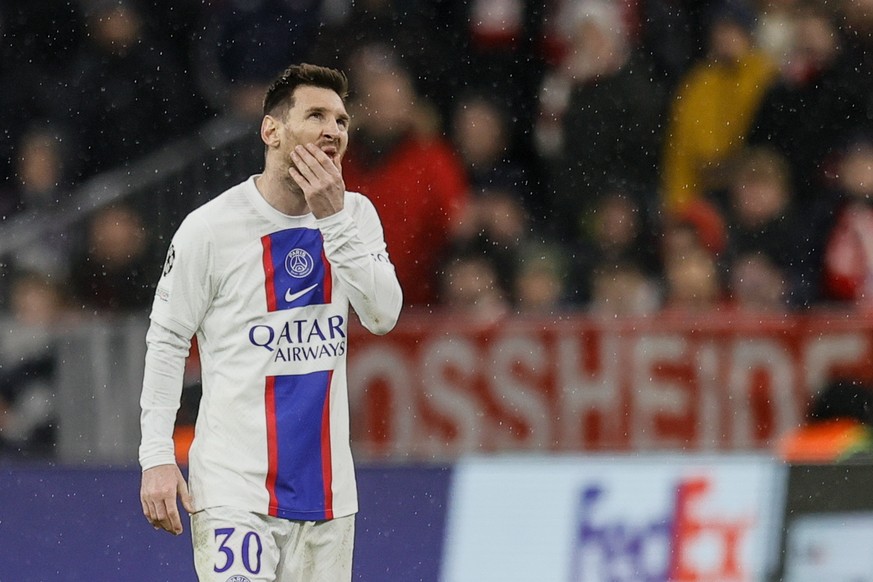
(249, 550)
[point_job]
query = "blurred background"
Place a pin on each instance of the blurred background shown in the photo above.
(635, 239)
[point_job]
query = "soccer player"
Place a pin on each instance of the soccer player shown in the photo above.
(263, 275)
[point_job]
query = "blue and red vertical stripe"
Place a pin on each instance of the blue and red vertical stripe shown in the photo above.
(299, 479)
(299, 474)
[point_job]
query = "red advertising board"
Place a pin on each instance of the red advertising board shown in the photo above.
(440, 385)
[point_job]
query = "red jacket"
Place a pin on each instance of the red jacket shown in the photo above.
(419, 190)
(848, 260)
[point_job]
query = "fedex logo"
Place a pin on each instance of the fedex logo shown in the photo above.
(685, 545)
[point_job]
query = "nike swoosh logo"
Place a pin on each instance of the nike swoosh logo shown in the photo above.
(290, 297)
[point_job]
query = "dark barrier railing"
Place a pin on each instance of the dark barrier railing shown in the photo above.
(163, 186)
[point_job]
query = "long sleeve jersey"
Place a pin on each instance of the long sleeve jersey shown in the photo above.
(267, 296)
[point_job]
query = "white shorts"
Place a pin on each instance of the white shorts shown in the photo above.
(231, 545)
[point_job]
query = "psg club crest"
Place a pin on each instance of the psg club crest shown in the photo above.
(296, 272)
(299, 263)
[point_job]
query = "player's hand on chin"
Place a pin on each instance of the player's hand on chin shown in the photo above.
(320, 179)
(160, 486)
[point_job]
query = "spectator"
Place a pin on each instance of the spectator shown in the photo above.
(600, 115)
(757, 284)
(415, 179)
(494, 224)
(812, 106)
(437, 65)
(481, 133)
(243, 43)
(758, 204)
(762, 222)
(42, 182)
(624, 289)
(692, 284)
(714, 107)
(616, 233)
(41, 178)
(502, 54)
(775, 32)
(470, 287)
(496, 33)
(539, 286)
(116, 270)
(27, 408)
(699, 225)
(692, 242)
(40, 41)
(847, 260)
(129, 93)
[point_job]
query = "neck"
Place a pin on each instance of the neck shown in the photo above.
(282, 194)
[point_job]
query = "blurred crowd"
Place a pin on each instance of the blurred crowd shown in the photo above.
(620, 157)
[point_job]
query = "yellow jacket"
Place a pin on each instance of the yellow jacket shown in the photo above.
(710, 116)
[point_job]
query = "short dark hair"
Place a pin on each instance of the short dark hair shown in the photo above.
(281, 90)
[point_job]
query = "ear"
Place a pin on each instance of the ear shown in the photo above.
(270, 131)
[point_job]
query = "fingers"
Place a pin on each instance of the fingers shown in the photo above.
(160, 487)
(313, 165)
(163, 514)
(312, 154)
(156, 514)
(299, 178)
(173, 522)
(302, 168)
(149, 509)
(185, 497)
(319, 179)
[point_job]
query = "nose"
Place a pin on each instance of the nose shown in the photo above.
(331, 128)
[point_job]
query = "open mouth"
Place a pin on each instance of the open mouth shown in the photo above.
(331, 152)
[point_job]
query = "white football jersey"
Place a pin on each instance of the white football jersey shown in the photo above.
(267, 296)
